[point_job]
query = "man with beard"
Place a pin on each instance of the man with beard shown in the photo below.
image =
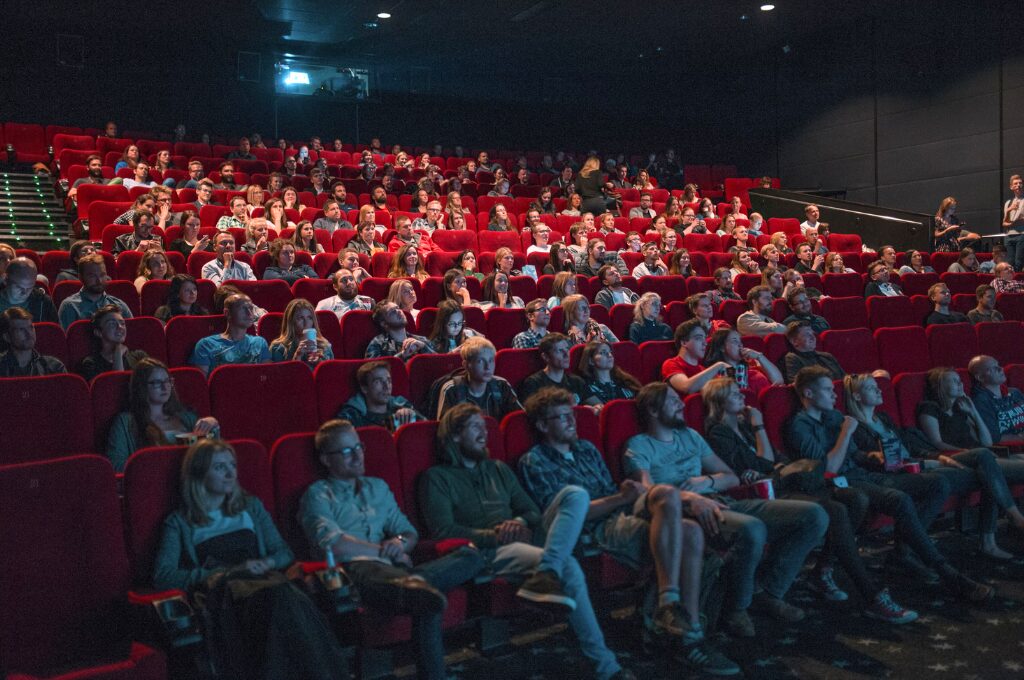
(394, 340)
(346, 299)
(234, 345)
(92, 272)
(227, 178)
(94, 166)
(21, 358)
(20, 290)
(340, 194)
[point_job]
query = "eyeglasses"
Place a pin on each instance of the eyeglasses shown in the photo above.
(568, 417)
(348, 451)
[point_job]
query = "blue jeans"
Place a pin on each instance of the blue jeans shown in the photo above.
(1014, 250)
(793, 528)
(990, 474)
(562, 522)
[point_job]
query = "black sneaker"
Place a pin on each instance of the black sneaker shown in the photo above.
(702, 657)
(546, 589)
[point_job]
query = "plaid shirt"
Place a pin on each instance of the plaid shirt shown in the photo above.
(528, 339)
(545, 472)
(385, 346)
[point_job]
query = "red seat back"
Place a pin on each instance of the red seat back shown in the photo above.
(54, 418)
(845, 312)
(336, 383)
(518, 435)
(889, 311)
(1002, 340)
(902, 349)
(263, 401)
(842, 285)
(424, 369)
(778, 403)
(910, 391)
(952, 344)
(183, 332)
(619, 420)
(50, 340)
(854, 348)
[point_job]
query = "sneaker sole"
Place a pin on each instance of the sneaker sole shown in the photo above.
(909, 617)
(560, 601)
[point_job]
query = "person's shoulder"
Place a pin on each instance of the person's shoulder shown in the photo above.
(639, 442)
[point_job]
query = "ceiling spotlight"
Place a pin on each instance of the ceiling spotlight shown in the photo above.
(744, 17)
(384, 15)
(767, 8)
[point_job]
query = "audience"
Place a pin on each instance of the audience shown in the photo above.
(304, 239)
(141, 238)
(477, 384)
(374, 403)
(562, 287)
(408, 262)
(940, 296)
(749, 368)
(1001, 408)
(612, 291)
(967, 262)
(602, 379)
(21, 289)
(300, 338)
(757, 320)
(723, 289)
(495, 293)
(579, 326)
(394, 340)
(450, 329)
(685, 372)
(92, 271)
(109, 352)
(538, 315)
(915, 264)
(985, 311)
(647, 323)
(803, 342)
(554, 352)
(801, 310)
(283, 267)
(878, 281)
(153, 267)
(21, 359)
(224, 267)
(234, 345)
(1004, 282)
(182, 297)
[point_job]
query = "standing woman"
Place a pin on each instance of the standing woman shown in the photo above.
(294, 344)
(591, 187)
(221, 537)
(948, 235)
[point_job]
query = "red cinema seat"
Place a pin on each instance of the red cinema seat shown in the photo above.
(66, 575)
(29, 142)
(952, 344)
(778, 404)
(144, 332)
(266, 388)
(730, 310)
(438, 262)
(152, 484)
(918, 284)
(504, 324)
(885, 312)
(357, 330)
(50, 340)
(1002, 340)
(619, 420)
(842, 285)
(183, 332)
(515, 365)
(902, 349)
(653, 354)
(704, 243)
(455, 240)
(378, 287)
(154, 294)
(744, 282)
(845, 312)
(965, 282)
(36, 434)
(1011, 305)
(854, 348)
(844, 242)
(425, 369)
(53, 261)
(790, 225)
(670, 288)
(313, 290)
(621, 317)
(273, 295)
(910, 391)
(490, 241)
(336, 383)
(518, 436)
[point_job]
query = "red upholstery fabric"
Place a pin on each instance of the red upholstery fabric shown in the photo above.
(902, 349)
(518, 435)
(336, 383)
(842, 285)
(263, 401)
(889, 311)
(35, 434)
(853, 347)
(505, 324)
(183, 332)
(652, 355)
(952, 344)
(1002, 340)
(272, 296)
(778, 403)
(619, 420)
(357, 330)
(424, 369)
(515, 365)
(50, 340)
(910, 390)
(845, 312)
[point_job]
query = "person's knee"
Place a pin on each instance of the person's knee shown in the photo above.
(573, 496)
(816, 518)
(664, 498)
(753, 533)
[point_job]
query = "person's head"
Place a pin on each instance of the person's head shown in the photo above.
(282, 253)
(373, 378)
(388, 316)
(340, 450)
(609, 276)
(304, 236)
(861, 393)
(741, 234)
(453, 283)
(986, 371)
(467, 261)
(81, 248)
(700, 307)
(204, 190)
(477, 355)
(110, 129)
(550, 411)
(256, 229)
(915, 259)
(151, 385)
(723, 279)
(834, 263)
(878, 271)
(434, 211)
(224, 242)
(403, 294)
(588, 221)
(986, 296)
(182, 291)
(21, 279)
(722, 398)
(227, 171)
(647, 308)
(780, 240)
(801, 337)
(967, 259)
(403, 225)
(108, 326)
(999, 253)
(462, 434)
(1004, 271)
(646, 201)
(772, 279)
(564, 285)
(939, 295)
(947, 208)
(811, 212)
(887, 254)
(449, 322)
(154, 265)
(690, 338)
(759, 300)
(537, 313)
(805, 254)
(92, 272)
(273, 210)
(944, 386)
(407, 259)
(813, 385)
(669, 238)
(504, 260)
(94, 165)
(576, 311)
(736, 204)
(596, 250)
(299, 316)
(660, 405)
(209, 471)
(16, 329)
(195, 170)
(554, 351)
(142, 221)
(239, 311)
(498, 213)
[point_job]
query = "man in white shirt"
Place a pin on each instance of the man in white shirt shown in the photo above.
(141, 178)
(225, 267)
(1013, 223)
(757, 319)
(812, 213)
(346, 299)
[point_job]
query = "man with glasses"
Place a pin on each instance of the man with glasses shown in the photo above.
(347, 298)
(204, 195)
(234, 345)
(358, 520)
(432, 220)
(141, 239)
(554, 352)
(538, 314)
(225, 267)
(333, 218)
(878, 281)
(195, 175)
(239, 216)
(478, 385)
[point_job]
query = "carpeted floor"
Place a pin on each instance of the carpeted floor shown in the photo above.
(949, 640)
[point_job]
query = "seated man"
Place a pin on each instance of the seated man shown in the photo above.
(94, 169)
(478, 385)
(723, 289)
(630, 521)
(800, 308)
(195, 174)
(349, 259)
(243, 152)
(940, 297)
(340, 194)
(234, 345)
(645, 208)
(804, 342)
(140, 178)
(806, 261)
(204, 195)
(820, 432)
(333, 218)
(141, 239)
(613, 292)
(757, 319)
(812, 213)
(346, 299)
(225, 267)
(1000, 407)
(78, 250)
(357, 519)
(878, 281)
(110, 352)
(596, 256)
(538, 315)
(432, 220)
(669, 452)
(227, 178)
(375, 404)
(20, 289)
(469, 495)
(404, 235)
(985, 311)
(21, 359)
(92, 271)
(239, 217)
(554, 352)
(394, 340)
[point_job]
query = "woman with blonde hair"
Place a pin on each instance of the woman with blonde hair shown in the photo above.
(256, 235)
(154, 265)
(563, 286)
(579, 326)
(780, 240)
(647, 323)
(294, 343)
(948, 235)
(454, 205)
(834, 264)
(407, 262)
(403, 294)
(591, 188)
(254, 197)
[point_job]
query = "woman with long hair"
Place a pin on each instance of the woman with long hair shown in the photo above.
(282, 264)
(834, 264)
(154, 266)
(221, 536)
(190, 242)
(273, 213)
(450, 329)
(497, 219)
(545, 204)
(453, 287)
(772, 278)
(255, 197)
(573, 206)
(129, 159)
(915, 264)
(794, 280)
(294, 343)
(560, 259)
(947, 234)
(591, 187)
(706, 209)
(403, 294)
(750, 368)
(407, 262)
(454, 206)
(495, 293)
(182, 296)
(743, 263)
(604, 380)
(290, 197)
(304, 238)
(579, 326)
(679, 263)
(780, 240)
(504, 262)
(466, 263)
(155, 415)
(563, 286)
(643, 181)
(256, 236)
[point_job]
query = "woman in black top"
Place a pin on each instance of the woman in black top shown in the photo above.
(604, 379)
(560, 259)
(181, 299)
(591, 188)
(190, 242)
(737, 435)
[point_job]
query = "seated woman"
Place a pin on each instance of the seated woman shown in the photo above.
(495, 293)
(743, 263)
(254, 198)
(304, 238)
(794, 279)
(541, 239)
(966, 263)
(365, 241)
(498, 219)
(560, 259)
(190, 242)
(579, 327)
(155, 416)
(563, 286)
(657, 225)
(736, 433)
(403, 294)
(679, 263)
(834, 264)
(647, 323)
(153, 266)
(546, 204)
(407, 262)
(300, 338)
(454, 206)
(579, 234)
(749, 368)
(255, 236)
(181, 299)
(222, 536)
(456, 222)
(109, 351)
(291, 199)
(273, 213)
(781, 242)
(772, 257)
(573, 205)
(453, 287)
(727, 226)
(772, 278)
(504, 262)
(450, 329)
(466, 263)
(668, 242)
(703, 309)
(960, 438)
(282, 258)
(915, 264)
(604, 380)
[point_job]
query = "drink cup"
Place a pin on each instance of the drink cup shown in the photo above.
(911, 468)
(763, 489)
